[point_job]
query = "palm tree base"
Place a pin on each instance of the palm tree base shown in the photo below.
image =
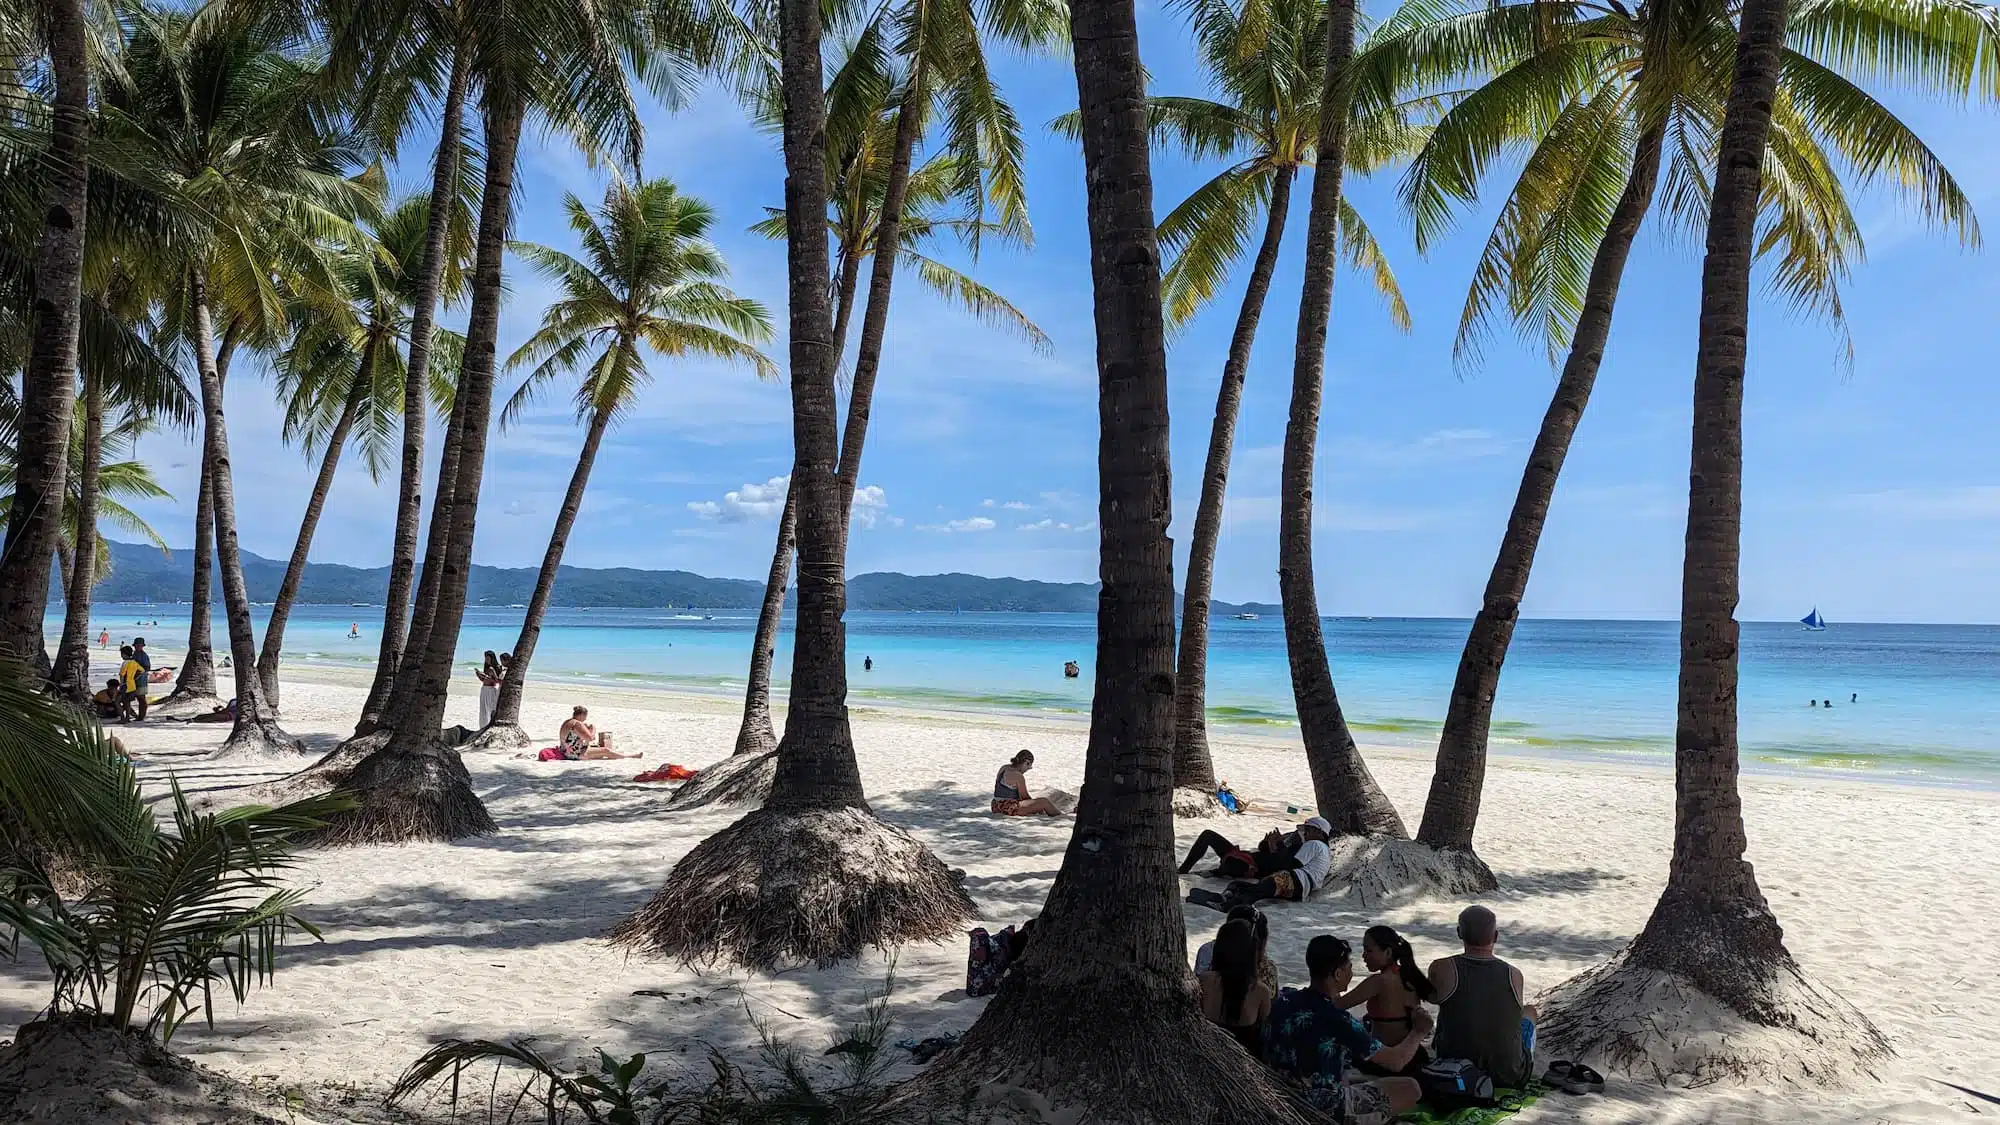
(404, 795)
(799, 886)
(317, 780)
(735, 780)
(186, 701)
(58, 1069)
(1193, 803)
(756, 735)
(499, 736)
(1380, 871)
(1771, 1023)
(1050, 1048)
(253, 736)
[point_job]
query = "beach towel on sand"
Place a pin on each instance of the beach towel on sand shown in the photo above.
(1511, 1103)
(667, 772)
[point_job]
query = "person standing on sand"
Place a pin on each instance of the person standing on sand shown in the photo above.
(489, 688)
(145, 662)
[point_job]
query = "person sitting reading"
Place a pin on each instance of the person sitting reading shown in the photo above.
(1235, 863)
(1231, 995)
(1394, 992)
(579, 740)
(1298, 875)
(1267, 973)
(1481, 1013)
(1312, 1040)
(1010, 790)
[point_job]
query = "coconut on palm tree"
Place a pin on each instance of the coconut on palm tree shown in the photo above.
(812, 876)
(214, 113)
(1712, 945)
(864, 118)
(344, 379)
(649, 279)
(1267, 58)
(1619, 108)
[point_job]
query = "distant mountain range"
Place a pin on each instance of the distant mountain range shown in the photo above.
(141, 573)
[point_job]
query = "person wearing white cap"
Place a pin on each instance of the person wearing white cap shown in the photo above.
(1304, 870)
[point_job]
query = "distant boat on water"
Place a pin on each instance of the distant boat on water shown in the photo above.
(1813, 622)
(1246, 617)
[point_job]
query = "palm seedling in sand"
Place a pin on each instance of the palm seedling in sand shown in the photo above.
(566, 62)
(1708, 989)
(977, 164)
(214, 114)
(1107, 971)
(1620, 109)
(345, 379)
(1267, 59)
(811, 876)
(648, 280)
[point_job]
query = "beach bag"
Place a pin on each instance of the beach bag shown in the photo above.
(552, 754)
(987, 960)
(1452, 1084)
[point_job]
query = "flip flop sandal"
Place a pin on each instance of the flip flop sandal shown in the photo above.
(1557, 1073)
(1201, 896)
(1591, 1081)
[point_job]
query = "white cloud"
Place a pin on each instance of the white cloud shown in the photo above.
(976, 523)
(1015, 506)
(1050, 524)
(763, 503)
(1436, 447)
(1946, 502)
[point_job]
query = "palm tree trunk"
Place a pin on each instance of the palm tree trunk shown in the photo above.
(881, 277)
(256, 727)
(1193, 767)
(195, 686)
(507, 710)
(416, 403)
(1452, 809)
(72, 671)
(1108, 964)
(48, 387)
(757, 735)
(295, 569)
(1712, 924)
(62, 567)
(1344, 789)
(414, 787)
(423, 610)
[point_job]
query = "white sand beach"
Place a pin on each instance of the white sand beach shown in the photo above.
(1887, 893)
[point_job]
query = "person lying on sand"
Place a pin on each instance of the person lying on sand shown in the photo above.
(580, 741)
(1010, 790)
(1272, 853)
(226, 713)
(1299, 874)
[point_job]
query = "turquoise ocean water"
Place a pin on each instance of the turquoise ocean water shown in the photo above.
(1928, 707)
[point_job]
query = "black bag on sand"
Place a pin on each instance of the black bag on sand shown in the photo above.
(1451, 1084)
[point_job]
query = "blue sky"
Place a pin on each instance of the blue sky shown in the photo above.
(1875, 494)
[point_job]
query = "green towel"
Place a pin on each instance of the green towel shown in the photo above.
(1511, 1103)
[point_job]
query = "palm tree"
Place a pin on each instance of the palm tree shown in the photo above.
(220, 117)
(812, 875)
(1611, 100)
(1342, 786)
(649, 278)
(1712, 931)
(863, 121)
(1108, 966)
(345, 380)
(48, 379)
(1267, 58)
(563, 60)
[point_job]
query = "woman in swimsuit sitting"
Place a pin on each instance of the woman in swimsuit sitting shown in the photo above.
(1232, 997)
(1394, 991)
(1010, 790)
(579, 740)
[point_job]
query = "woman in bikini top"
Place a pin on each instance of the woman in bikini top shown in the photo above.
(1394, 990)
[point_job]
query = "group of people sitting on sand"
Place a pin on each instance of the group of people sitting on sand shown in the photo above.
(1363, 1071)
(124, 696)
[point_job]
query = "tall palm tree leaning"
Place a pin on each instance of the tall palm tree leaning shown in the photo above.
(1344, 790)
(1268, 59)
(48, 379)
(564, 60)
(344, 379)
(229, 123)
(1712, 943)
(1610, 101)
(811, 876)
(866, 124)
(1108, 968)
(649, 278)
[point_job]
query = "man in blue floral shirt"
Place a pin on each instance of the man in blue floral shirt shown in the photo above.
(1313, 1040)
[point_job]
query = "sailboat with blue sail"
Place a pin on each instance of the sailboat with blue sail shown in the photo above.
(1813, 622)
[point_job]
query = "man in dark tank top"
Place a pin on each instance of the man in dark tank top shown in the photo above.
(1482, 1015)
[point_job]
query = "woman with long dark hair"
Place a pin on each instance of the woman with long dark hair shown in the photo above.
(1231, 995)
(1394, 991)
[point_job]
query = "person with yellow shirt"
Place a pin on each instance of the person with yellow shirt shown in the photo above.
(132, 679)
